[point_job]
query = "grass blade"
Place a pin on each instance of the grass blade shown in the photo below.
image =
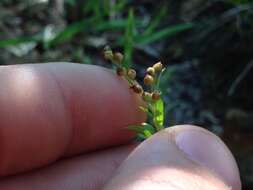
(70, 31)
(136, 128)
(164, 33)
(156, 21)
(129, 39)
(17, 41)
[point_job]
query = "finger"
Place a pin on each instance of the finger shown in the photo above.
(51, 110)
(88, 172)
(179, 158)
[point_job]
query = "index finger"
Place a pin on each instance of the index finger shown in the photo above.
(52, 110)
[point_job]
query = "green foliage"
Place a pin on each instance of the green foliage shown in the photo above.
(158, 81)
(104, 17)
(142, 128)
(18, 41)
(128, 39)
(152, 96)
(158, 114)
(69, 32)
(155, 22)
(162, 34)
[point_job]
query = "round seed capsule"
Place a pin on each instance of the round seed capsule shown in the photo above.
(118, 57)
(131, 74)
(148, 80)
(156, 95)
(137, 89)
(158, 66)
(151, 71)
(121, 71)
(108, 55)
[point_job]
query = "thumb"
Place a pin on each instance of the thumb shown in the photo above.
(179, 158)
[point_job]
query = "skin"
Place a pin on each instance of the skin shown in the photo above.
(62, 126)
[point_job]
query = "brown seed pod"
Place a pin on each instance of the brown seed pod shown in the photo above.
(156, 95)
(118, 57)
(158, 66)
(131, 74)
(137, 89)
(148, 80)
(108, 55)
(151, 71)
(121, 71)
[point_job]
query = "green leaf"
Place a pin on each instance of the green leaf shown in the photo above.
(158, 81)
(156, 21)
(148, 127)
(147, 133)
(70, 31)
(141, 137)
(18, 41)
(164, 33)
(136, 128)
(159, 114)
(128, 39)
(114, 25)
(146, 110)
(119, 6)
(141, 128)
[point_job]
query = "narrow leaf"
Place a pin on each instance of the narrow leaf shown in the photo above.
(148, 127)
(157, 86)
(136, 128)
(18, 41)
(146, 110)
(147, 133)
(70, 31)
(128, 39)
(159, 113)
(156, 21)
(141, 137)
(164, 33)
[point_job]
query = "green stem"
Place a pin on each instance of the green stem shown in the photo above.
(130, 81)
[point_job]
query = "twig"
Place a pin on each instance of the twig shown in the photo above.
(239, 78)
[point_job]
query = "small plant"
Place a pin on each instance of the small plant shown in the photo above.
(152, 95)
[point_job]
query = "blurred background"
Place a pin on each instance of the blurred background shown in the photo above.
(207, 46)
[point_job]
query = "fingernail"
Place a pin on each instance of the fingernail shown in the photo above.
(208, 150)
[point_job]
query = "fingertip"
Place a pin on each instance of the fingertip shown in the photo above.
(210, 151)
(56, 109)
(180, 157)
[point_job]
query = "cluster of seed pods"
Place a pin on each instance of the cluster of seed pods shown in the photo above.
(150, 79)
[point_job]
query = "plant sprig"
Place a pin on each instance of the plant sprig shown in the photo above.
(152, 96)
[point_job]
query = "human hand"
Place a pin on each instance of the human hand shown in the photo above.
(53, 111)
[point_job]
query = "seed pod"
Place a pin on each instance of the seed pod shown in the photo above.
(137, 89)
(147, 96)
(121, 71)
(156, 95)
(131, 74)
(151, 71)
(118, 57)
(158, 66)
(148, 80)
(108, 55)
